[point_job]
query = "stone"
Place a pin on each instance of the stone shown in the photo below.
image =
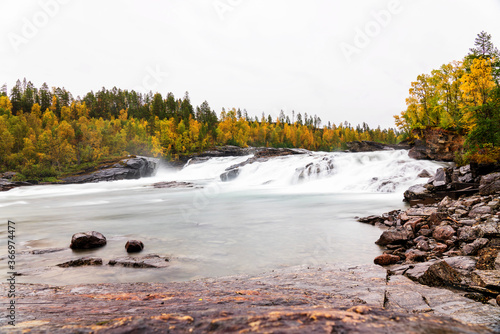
(147, 261)
(423, 245)
(415, 255)
(437, 144)
(87, 240)
(84, 261)
(472, 248)
(488, 229)
(440, 274)
(417, 192)
(466, 233)
(440, 248)
(443, 233)
(424, 174)
(489, 184)
(487, 257)
(230, 175)
(478, 211)
(173, 184)
(386, 259)
(134, 246)
(498, 300)
(440, 178)
(425, 211)
(393, 236)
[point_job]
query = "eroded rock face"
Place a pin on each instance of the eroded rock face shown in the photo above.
(437, 144)
(490, 184)
(87, 240)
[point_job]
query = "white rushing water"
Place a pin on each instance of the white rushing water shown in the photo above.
(286, 211)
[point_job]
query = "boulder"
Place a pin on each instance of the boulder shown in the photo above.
(418, 192)
(440, 178)
(415, 255)
(84, 261)
(443, 233)
(472, 248)
(134, 246)
(230, 175)
(87, 240)
(424, 174)
(440, 274)
(490, 184)
(386, 259)
(437, 144)
(487, 258)
(394, 236)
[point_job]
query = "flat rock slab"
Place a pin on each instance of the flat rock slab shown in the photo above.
(147, 261)
(327, 299)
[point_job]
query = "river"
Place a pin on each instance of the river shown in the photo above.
(287, 211)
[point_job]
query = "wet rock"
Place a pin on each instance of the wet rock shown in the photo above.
(372, 220)
(134, 246)
(230, 175)
(386, 259)
(6, 184)
(87, 240)
(84, 261)
(490, 184)
(147, 261)
(394, 236)
(443, 233)
(472, 248)
(424, 174)
(173, 184)
(440, 274)
(418, 193)
(487, 258)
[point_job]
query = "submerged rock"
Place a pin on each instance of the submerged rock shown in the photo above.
(147, 261)
(87, 240)
(230, 175)
(84, 261)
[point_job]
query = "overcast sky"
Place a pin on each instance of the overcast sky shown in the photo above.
(342, 60)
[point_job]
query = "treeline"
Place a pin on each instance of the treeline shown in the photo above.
(46, 132)
(462, 96)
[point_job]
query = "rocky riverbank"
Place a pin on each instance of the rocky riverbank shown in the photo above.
(453, 243)
(321, 299)
(132, 167)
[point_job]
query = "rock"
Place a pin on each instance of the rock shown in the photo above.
(372, 220)
(148, 261)
(386, 259)
(487, 230)
(490, 184)
(415, 255)
(126, 169)
(479, 211)
(425, 211)
(440, 178)
(230, 175)
(370, 146)
(466, 233)
(443, 233)
(472, 248)
(417, 192)
(437, 144)
(487, 258)
(498, 300)
(173, 184)
(6, 184)
(424, 174)
(86, 240)
(393, 236)
(84, 261)
(133, 246)
(440, 274)
(423, 245)
(440, 248)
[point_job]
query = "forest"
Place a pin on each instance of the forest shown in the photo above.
(461, 96)
(46, 132)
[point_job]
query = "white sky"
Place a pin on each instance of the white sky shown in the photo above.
(262, 55)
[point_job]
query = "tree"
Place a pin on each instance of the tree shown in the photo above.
(485, 49)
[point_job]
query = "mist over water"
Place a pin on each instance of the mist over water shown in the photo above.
(286, 211)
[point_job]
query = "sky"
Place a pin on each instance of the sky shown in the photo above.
(348, 61)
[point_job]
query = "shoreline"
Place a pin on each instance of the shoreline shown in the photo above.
(309, 297)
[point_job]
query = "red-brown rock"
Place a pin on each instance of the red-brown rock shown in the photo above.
(386, 259)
